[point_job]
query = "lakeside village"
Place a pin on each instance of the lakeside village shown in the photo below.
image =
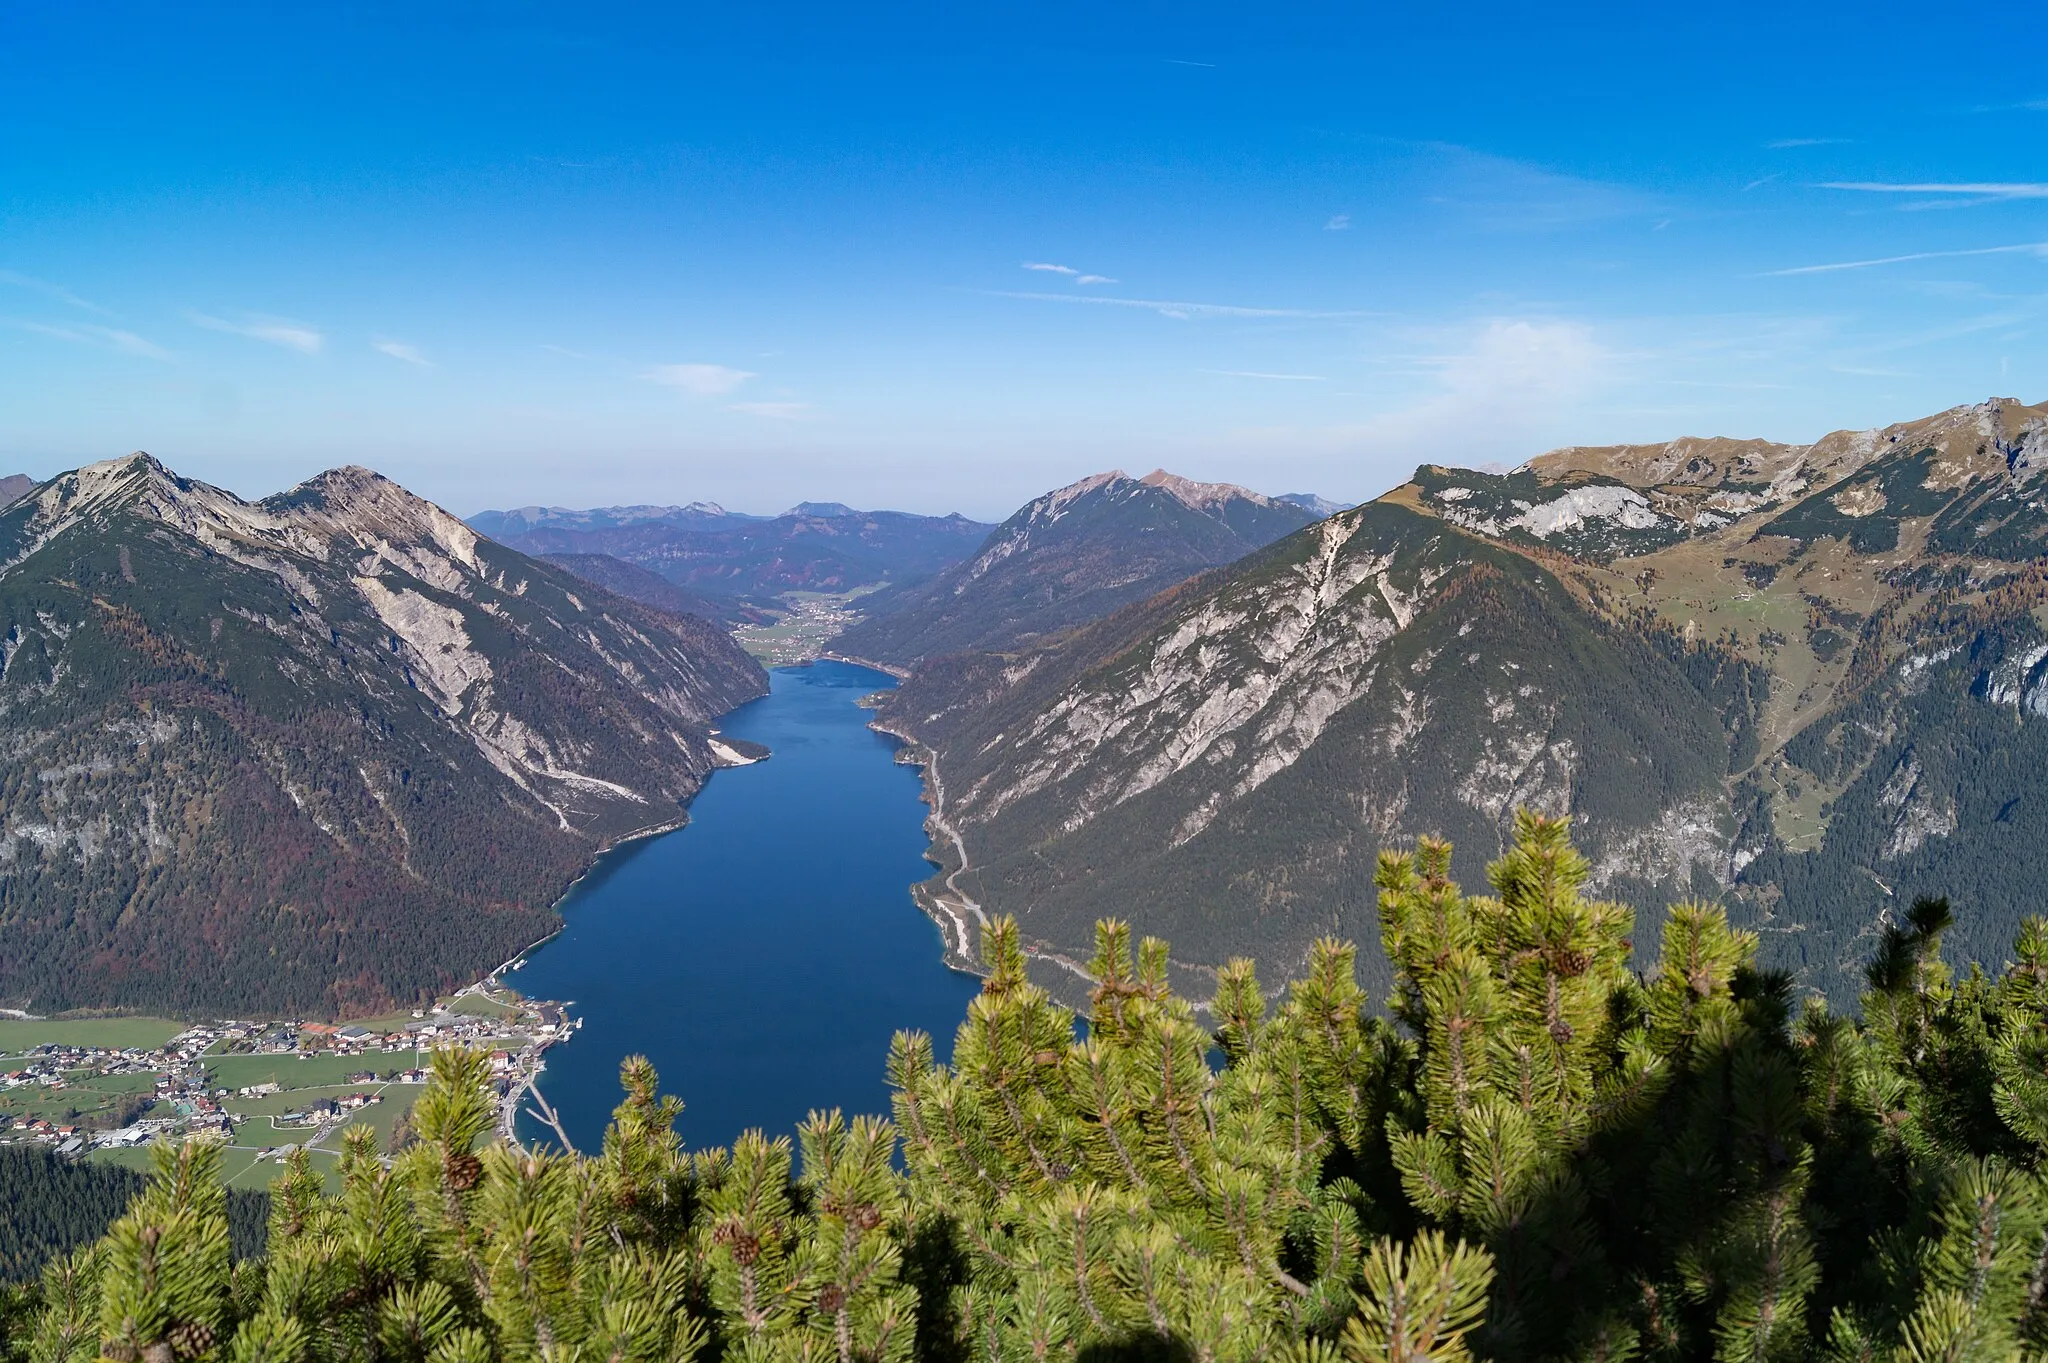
(107, 1088)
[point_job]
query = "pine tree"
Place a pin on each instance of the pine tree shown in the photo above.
(1533, 1152)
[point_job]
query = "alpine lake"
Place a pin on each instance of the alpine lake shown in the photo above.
(764, 955)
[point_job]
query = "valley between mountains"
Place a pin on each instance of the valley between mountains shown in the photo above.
(336, 750)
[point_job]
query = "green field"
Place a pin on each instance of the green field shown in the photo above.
(239, 1168)
(147, 1034)
(114, 1083)
(379, 1117)
(233, 1072)
(59, 1105)
(477, 1006)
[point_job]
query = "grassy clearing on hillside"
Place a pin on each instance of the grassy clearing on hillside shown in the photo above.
(379, 1117)
(146, 1034)
(113, 1083)
(477, 1006)
(260, 1130)
(243, 1170)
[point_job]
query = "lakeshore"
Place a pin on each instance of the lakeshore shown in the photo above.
(764, 955)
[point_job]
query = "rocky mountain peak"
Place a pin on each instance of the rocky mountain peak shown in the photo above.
(1203, 497)
(368, 510)
(1053, 504)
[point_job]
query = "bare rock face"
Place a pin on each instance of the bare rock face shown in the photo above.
(1807, 680)
(328, 750)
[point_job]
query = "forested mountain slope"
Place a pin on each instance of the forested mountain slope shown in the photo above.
(635, 583)
(1808, 680)
(55, 1205)
(317, 753)
(1069, 557)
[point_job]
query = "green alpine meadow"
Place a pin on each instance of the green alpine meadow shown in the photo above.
(1530, 1150)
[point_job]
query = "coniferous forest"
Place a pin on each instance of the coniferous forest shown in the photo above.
(1531, 1151)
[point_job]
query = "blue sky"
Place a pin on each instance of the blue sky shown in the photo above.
(944, 257)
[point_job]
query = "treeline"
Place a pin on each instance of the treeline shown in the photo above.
(54, 1205)
(1536, 1152)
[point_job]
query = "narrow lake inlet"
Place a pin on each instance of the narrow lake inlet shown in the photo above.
(763, 956)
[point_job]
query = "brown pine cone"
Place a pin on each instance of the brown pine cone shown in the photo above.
(746, 1248)
(831, 1297)
(159, 1352)
(463, 1172)
(191, 1339)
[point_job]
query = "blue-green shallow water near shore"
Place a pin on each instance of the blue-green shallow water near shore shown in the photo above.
(763, 955)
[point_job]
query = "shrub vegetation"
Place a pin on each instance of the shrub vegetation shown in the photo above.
(1534, 1152)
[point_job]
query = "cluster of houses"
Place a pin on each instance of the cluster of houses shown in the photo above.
(186, 1104)
(322, 1110)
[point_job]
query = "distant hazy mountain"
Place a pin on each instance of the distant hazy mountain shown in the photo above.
(1071, 556)
(1810, 681)
(330, 750)
(632, 581)
(1308, 501)
(13, 487)
(500, 524)
(737, 561)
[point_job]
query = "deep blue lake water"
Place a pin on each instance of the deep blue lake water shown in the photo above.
(764, 955)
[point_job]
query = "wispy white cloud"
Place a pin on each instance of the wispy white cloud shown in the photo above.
(109, 338)
(1983, 189)
(270, 330)
(1340, 222)
(698, 380)
(1510, 380)
(49, 290)
(2039, 248)
(402, 350)
(1787, 143)
(1176, 61)
(1046, 267)
(1171, 308)
(564, 350)
(1502, 194)
(1758, 183)
(1261, 374)
(776, 411)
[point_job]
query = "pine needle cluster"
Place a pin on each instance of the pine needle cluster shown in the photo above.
(1532, 1151)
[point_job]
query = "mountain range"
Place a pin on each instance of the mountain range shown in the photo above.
(1807, 680)
(1072, 556)
(731, 562)
(319, 753)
